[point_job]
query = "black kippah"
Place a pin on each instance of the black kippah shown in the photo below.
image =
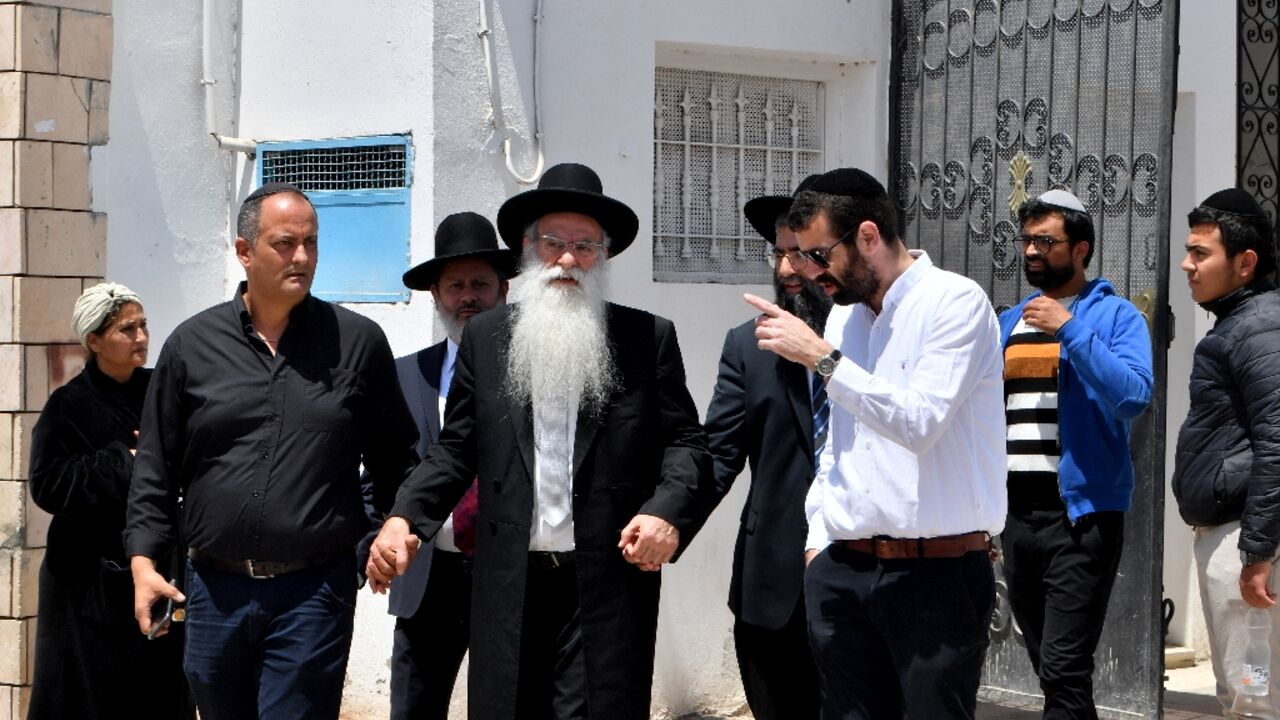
(850, 182)
(274, 188)
(807, 183)
(1235, 201)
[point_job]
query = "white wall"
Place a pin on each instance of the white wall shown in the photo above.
(161, 180)
(1204, 155)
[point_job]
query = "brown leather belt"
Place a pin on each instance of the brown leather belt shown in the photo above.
(258, 569)
(947, 546)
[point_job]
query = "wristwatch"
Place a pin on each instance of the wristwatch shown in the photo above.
(1248, 558)
(826, 365)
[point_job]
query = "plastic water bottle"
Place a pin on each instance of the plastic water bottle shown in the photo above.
(1254, 685)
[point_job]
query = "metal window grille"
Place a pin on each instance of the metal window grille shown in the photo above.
(721, 139)
(370, 167)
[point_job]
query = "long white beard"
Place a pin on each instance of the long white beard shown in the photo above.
(559, 342)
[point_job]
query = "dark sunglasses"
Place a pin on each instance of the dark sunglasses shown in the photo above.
(822, 256)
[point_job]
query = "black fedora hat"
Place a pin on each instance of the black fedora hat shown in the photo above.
(464, 234)
(568, 187)
(763, 212)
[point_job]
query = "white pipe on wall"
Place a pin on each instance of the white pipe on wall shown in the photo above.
(225, 142)
(495, 96)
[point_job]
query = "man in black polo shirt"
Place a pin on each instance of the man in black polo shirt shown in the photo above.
(260, 412)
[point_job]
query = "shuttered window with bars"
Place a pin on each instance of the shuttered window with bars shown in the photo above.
(721, 139)
(360, 188)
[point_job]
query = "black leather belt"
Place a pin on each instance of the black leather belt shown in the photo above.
(259, 569)
(544, 560)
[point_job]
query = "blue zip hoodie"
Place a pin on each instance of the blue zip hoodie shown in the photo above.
(1104, 381)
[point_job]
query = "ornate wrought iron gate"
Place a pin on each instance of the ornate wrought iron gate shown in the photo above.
(995, 101)
(1258, 90)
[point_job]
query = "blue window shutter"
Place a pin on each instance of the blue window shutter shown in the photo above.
(360, 189)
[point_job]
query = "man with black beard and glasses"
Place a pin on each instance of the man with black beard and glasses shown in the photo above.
(1077, 370)
(772, 413)
(573, 414)
(899, 586)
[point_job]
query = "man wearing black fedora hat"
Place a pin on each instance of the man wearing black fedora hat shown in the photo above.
(910, 484)
(763, 411)
(592, 468)
(432, 602)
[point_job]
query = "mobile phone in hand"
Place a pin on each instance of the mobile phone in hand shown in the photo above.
(162, 614)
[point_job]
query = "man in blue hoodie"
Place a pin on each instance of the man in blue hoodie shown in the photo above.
(1077, 371)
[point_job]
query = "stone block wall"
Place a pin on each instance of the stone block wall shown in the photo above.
(55, 73)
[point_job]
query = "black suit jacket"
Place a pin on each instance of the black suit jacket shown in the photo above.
(419, 376)
(761, 412)
(645, 454)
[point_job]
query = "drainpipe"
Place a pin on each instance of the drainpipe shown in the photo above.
(226, 142)
(495, 96)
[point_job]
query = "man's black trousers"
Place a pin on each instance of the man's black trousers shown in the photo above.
(1060, 577)
(777, 668)
(553, 677)
(898, 638)
(428, 647)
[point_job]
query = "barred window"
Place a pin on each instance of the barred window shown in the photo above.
(721, 139)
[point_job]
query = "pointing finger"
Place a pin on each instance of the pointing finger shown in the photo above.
(762, 305)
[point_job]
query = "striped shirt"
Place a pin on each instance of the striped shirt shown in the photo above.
(1031, 403)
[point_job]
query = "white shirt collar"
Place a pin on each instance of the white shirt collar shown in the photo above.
(907, 280)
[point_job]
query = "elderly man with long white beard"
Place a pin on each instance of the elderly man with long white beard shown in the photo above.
(573, 416)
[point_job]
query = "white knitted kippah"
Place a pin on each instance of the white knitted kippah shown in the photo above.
(1062, 199)
(95, 304)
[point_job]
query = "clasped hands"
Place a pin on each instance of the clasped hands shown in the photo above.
(647, 542)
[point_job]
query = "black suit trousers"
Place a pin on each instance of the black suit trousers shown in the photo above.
(428, 647)
(553, 677)
(778, 675)
(898, 638)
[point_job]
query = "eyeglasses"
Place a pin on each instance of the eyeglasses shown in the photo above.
(584, 249)
(822, 256)
(793, 256)
(1044, 243)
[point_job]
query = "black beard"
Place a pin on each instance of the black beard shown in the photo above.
(1050, 278)
(858, 284)
(811, 304)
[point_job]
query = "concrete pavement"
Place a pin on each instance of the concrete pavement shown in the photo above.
(1189, 694)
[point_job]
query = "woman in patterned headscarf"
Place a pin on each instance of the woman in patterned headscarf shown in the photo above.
(90, 660)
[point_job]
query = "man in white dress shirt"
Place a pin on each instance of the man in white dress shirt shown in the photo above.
(910, 486)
